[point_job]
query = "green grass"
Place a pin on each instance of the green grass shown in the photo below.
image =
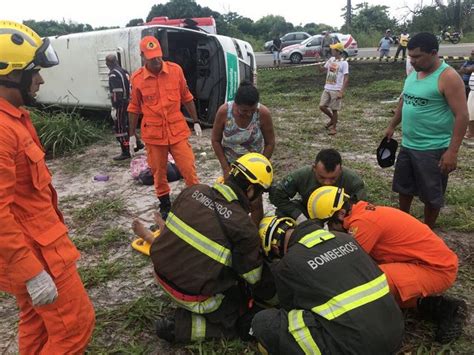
(111, 237)
(63, 132)
(102, 209)
(104, 271)
(131, 322)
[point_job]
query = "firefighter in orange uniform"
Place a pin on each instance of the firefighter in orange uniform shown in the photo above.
(418, 264)
(158, 90)
(37, 258)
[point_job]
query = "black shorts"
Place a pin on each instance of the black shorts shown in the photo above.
(417, 174)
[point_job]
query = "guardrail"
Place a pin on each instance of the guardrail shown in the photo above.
(362, 60)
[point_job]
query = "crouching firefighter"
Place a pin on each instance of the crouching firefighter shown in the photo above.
(418, 264)
(333, 297)
(207, 249)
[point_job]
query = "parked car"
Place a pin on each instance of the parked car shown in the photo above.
(288, 40)
(311, 48)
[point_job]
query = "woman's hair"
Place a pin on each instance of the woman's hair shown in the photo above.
(247, 94)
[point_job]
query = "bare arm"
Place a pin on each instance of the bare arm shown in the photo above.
(452, 87)
(267, 131)
(191, 108)
(132, 120)
(216, 137)
(397, 118)
(344, 85)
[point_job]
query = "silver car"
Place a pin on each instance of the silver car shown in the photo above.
(311, 48)
(288, 40)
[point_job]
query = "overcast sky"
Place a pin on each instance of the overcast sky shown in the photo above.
(118, 13)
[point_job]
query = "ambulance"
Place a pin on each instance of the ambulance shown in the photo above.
(213, 65)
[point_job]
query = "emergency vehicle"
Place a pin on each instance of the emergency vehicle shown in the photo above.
(207, 24)
(213, 65)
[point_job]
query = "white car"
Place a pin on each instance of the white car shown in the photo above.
(311, 48)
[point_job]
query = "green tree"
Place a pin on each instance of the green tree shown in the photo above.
(371, 18)
(271, 26)
(54, 28)
(135, 22)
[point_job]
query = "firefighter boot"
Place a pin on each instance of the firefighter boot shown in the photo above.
(125, 153)
(139, 146)
(165, 206)
(449, 314)
(165, 329)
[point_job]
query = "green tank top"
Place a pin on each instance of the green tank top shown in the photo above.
(427, 119)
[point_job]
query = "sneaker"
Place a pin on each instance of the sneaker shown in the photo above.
(449, 313)
(164, 328)
(122, 156)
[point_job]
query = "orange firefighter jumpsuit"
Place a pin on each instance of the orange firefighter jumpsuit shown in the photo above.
(33, 238)
(164, 128)
(416, 261)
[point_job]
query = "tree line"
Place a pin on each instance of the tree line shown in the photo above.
(362, 20)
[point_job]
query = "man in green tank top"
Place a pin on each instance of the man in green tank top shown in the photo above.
(434, 117)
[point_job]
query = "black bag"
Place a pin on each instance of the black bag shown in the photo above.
(172, 174)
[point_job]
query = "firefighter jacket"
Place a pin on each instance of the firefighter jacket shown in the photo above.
(207, 245)
(304, 182)
(119, 86)
(330, 275)
(33, 236)
(159, 98)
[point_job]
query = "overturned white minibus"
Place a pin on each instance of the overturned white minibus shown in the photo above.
(214, 65)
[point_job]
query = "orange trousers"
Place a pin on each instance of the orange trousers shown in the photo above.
(63, 327)
(182, 154)
(409, 282)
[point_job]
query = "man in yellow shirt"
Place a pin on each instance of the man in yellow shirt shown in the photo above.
(402, 46)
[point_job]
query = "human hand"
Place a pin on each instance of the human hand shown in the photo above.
(448, 162)
(197, 129)
(132, 144)
(340, 94)
(159, 221)
(226, 171)
(42, 289)
(389, 132)
(113, 113)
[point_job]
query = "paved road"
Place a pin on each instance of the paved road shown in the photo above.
(461, 49)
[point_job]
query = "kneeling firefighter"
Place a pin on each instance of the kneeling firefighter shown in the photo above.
(208, 255)
(333, 297)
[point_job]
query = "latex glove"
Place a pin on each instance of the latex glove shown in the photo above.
(197, 129)
(301, 218)
(42, 289)
(132, 144)
(113, 113)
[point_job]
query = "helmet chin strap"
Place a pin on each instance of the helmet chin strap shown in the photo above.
(24, 87)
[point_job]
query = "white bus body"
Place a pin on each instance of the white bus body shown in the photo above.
(214, 65)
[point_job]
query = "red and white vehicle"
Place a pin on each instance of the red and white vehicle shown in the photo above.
(311, 48)
(208, 24)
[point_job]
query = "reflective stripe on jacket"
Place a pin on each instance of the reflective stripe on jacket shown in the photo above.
(208, 241)
(329, 274)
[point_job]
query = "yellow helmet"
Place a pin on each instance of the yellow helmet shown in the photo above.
(23, 49)
(272, 230)
(256, 168)
(325, 201)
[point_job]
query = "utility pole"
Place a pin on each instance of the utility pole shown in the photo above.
(349, 15)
